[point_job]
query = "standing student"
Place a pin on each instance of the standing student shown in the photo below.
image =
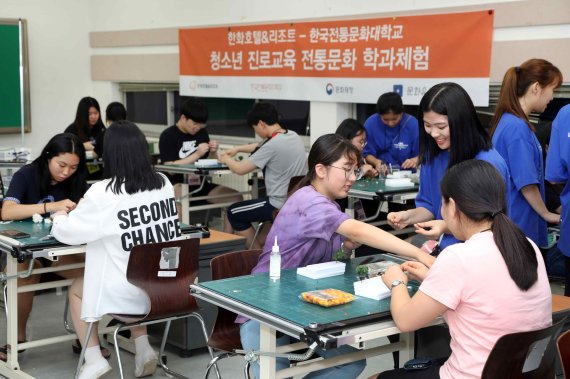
(281, 156)
(516, 297)
(99, 221)
(392, 135)
(185, 143)
(558, 171)
(451, 133)
(54, 181)
(115, 112)
(310, 228)
(526, 88)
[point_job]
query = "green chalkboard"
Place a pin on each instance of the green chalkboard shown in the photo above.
(14, 87)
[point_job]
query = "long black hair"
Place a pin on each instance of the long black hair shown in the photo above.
(350, 128)
(82, 117)
(467, 135)
(479, 193)
(63, 143)
(326, 150)
(127, 160)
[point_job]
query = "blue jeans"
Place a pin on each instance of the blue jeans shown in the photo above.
(249, 332)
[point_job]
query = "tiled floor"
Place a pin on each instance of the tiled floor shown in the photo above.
(58, 361)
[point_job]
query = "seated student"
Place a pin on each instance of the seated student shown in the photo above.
(353, 131)
(115, 112)
(281, 156)
(474, 207)
(91, 131)
(97, 221)
(185, 143)
(392, 135)
(310, 228)
(54, 181)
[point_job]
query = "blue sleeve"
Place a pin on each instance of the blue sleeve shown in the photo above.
(416, 137)
(522, 165)
(425, 196)
(558, 154)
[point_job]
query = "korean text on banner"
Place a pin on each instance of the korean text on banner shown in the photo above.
(340, 61)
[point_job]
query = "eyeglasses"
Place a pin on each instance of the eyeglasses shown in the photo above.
(348, 172)
(198, 124)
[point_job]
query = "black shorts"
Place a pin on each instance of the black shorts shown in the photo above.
(243, 213)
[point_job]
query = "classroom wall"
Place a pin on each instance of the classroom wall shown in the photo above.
(84, 47)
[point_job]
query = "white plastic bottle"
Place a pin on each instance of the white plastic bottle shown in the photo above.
(275, 261)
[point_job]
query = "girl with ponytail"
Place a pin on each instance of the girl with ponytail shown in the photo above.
(493, 284)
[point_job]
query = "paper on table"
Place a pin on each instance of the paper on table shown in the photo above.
(399, 182)
(373, 288)
(322, 270)
(207, 162)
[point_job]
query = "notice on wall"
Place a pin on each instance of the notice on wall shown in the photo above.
(339, 61)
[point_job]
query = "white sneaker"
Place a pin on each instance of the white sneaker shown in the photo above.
(145, 363)
(95, 370)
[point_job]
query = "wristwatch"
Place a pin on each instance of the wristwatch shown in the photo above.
(396, 283)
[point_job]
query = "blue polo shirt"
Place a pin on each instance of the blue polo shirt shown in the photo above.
(392, 145)
(557, 167)
(429, 194)
(520, 148)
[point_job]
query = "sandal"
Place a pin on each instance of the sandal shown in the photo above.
(77, 350)
(4, 352)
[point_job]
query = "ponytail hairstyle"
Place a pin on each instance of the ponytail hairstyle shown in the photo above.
(479, 193)
(326, 150)
(466, 134)
(63, 143)
(515, 84)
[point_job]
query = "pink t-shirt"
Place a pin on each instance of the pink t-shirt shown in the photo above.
(484, 303)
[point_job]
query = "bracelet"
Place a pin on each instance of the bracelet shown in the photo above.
(45, 210)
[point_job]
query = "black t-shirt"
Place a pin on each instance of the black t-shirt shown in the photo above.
(25, 189)
(174, 145)
(96, 136)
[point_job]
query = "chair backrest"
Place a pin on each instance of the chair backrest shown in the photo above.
(165, 271)
(225, 333)
(563, 344)
(526, 355)
(293, 183)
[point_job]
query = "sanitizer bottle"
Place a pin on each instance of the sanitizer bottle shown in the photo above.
(275, 262)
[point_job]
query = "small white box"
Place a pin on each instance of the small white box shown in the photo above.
(207, 163)
(322, 270)
(373, 288)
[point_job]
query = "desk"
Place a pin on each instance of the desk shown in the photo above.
(376, 189)
(201, 171)
(275, 304)
(37, 246)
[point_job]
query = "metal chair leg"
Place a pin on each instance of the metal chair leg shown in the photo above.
(246, 370)
(257, 230)
(118, 350)
(213, 362)
(83, 348)
(166, 369)
(203, 325)
(68, 328)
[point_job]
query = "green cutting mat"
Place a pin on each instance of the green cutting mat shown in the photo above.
(281, 298)
(379, 186)
(37, 231)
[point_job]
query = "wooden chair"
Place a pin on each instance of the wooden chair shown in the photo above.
(225, 333)
(164, 271)
(527, 355)
(292, 184)
(563, 345)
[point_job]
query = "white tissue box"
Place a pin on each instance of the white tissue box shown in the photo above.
(207, 163)
(373, 288)
(322, 270)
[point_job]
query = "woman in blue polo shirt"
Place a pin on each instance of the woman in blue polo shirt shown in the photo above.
(526, 88)
(451, 133)
(557, 171)
(391, 135)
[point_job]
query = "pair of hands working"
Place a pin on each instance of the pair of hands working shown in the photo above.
(415, 270)
(432, 229)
